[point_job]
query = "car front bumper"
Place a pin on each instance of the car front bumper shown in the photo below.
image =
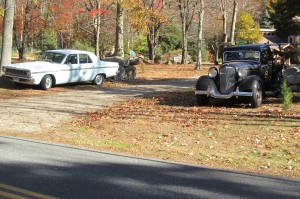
(215, 94)
(22, 80)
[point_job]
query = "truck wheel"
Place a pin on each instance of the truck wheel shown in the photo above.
(202, 100)
(46, 82)
(257, 95)
(98, 80)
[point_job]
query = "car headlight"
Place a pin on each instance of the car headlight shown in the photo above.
(243, 72)
(213, 72)
(28, 73)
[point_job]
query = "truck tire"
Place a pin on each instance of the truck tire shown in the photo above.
(257, 95)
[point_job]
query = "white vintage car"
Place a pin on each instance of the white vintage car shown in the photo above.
(60, 67)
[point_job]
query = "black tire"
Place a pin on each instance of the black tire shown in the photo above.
(130, 72)
(257, 96)
(202, 100)
(98, 80)
(46, 82)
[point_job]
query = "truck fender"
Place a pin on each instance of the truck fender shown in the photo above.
(205, 82)
(249, 82)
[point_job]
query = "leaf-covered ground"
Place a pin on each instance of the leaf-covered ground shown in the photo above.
(170, 126)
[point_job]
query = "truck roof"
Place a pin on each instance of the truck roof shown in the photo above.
(253, 47)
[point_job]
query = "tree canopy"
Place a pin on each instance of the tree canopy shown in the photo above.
(282, 13)
(247, 30)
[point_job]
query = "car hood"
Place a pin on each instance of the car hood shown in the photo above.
(35, 66)
(237, 65)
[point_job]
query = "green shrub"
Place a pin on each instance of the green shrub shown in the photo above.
(82, 46)
(286, 96)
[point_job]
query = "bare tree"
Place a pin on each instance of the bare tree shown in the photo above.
(200, 35)
(235, 8)
(94, 6)
(7, 33)
(223, 8)
(187, 9)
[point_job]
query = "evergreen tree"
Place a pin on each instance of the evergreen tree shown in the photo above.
(281, 15)
(265, 21)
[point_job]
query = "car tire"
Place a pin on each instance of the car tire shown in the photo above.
(46, 82)
(202, 100)
(257, 95)
(98, 80)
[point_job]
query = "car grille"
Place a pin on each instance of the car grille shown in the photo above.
(227, 79)
(16, 72)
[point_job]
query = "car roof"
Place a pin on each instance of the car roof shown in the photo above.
(69, 51)
(253, 47)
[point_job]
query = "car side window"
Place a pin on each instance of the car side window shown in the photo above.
(72, 59)
(84, 59)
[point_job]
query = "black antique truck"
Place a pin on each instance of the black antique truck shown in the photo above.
(248, 71)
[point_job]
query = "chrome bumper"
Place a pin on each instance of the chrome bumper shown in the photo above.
(216, 94)
(23, 80)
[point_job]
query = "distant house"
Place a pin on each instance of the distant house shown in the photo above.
(269, 36)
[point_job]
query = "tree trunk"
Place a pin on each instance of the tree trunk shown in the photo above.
(184, 32)
(235, 7)
(119, 45)
(224, 19)
(7, 33)
(151, 47)
(184, 59)
(97, 29)
(200, 35)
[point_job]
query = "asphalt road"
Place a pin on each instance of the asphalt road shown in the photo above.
(29, 169)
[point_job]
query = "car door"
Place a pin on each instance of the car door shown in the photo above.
(73, 68)
(87, 67)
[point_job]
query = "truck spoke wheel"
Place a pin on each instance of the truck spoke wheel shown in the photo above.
(257, 96)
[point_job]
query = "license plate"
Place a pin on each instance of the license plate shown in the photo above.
(16, 79)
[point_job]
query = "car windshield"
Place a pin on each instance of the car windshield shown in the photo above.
(54, 57)
(241, 56)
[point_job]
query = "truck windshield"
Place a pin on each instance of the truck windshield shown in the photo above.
(52, 57)
(241, 56)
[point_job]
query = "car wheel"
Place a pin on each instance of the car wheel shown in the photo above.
(257, 95)
(98, 80)
(46, 82)
(202, 100)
